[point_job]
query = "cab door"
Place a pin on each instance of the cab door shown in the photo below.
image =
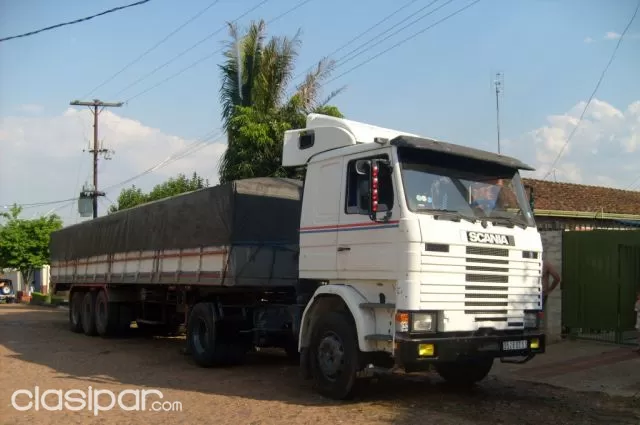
(366, 248)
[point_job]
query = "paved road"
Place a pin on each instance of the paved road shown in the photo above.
(37, 349)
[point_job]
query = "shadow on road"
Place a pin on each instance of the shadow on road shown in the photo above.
(41, 336)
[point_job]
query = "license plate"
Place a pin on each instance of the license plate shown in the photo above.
(514, 345)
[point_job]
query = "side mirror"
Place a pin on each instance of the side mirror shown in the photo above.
(530, 196)
(363, 166)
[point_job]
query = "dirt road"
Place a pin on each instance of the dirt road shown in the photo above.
(36, 349)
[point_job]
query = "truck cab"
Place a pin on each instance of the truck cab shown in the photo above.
(427, 253)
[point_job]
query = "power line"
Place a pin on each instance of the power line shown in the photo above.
(197, 146)
(349, 57)
(412, 36)
(41, 204)
(604, 71)
(152, 48)
(360, 35)
(193, 46)
(115, 9)
(188, 150)
(204, 58)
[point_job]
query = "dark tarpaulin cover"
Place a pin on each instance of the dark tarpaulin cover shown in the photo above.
(252, 212)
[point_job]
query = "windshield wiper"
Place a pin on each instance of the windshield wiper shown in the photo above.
(509, 219)
(451, 214)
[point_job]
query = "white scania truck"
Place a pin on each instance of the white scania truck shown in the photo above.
(395, 251)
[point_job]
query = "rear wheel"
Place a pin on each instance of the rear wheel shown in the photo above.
(75, 312)
(107, 316)
(88, 314)
(465, 373)
(207, 344)
(334, 355)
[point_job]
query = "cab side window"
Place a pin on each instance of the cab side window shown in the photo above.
(358, 190)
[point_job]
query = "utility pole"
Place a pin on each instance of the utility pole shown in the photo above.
(499, 84)
(93, 107)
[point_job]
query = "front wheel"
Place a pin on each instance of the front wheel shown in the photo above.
(334, 355)
(465, 373)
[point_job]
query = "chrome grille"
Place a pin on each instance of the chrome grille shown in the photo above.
(481, 250)
(486, 291)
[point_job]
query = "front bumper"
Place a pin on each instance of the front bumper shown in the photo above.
(414, 353)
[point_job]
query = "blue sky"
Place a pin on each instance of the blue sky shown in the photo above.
(438, 84)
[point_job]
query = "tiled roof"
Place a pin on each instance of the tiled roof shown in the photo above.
(583, 198)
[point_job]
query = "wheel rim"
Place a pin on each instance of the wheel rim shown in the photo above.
(331, 356)
(200, 336)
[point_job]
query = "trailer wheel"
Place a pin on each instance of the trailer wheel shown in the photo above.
(107, 316)
(334, 355)
(88, 313)
(75, 312)
(465, 373)
(206, 343)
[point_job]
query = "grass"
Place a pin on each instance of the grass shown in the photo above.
(46, 299)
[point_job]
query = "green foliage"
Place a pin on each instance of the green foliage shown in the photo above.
(39, 298)
(257, 147)
(24, 244)
(134, 196)
(255, 78)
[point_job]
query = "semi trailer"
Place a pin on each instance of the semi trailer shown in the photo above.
(394, 251)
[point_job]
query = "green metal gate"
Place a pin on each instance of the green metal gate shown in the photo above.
(600, 277)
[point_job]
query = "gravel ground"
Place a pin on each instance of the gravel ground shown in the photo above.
(36, 349)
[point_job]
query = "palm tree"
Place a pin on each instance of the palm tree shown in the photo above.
(257, 73)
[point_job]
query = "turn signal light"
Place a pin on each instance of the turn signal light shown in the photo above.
(426, 350)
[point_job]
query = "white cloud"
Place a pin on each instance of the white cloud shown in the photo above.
(611, 35)
(588, 40)
(604, 150)
(42, 158)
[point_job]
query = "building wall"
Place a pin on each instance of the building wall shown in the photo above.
(552, 251)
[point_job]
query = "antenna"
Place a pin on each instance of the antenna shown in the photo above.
(499, 84)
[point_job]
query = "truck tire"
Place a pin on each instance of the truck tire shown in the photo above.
(334, 355)
(206, 343)
(75, 312)
(88, 313)
(465, 373)
(107, 316)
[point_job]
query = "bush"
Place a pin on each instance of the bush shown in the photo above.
(58, 300)
(39, 298)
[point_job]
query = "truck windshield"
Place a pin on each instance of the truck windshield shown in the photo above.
(437, 183)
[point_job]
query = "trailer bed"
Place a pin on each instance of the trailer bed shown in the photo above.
(243, 233)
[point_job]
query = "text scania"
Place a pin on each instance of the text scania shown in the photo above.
(96, 400)
(491, 238)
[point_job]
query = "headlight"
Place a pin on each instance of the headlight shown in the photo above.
(531, 320)
(423, 322)
(6, 290)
